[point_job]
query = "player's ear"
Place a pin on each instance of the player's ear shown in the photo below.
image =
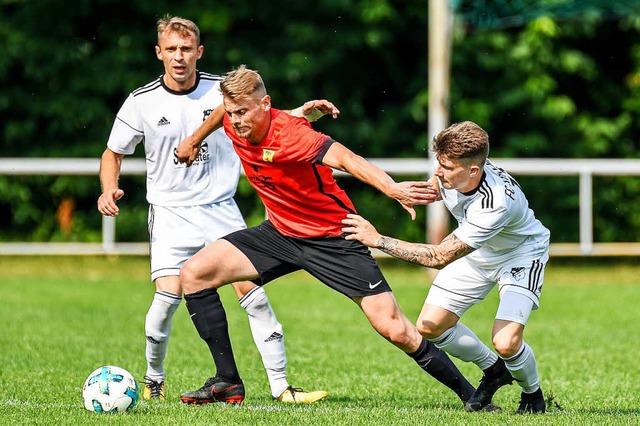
(474, 169)
(265, 102)
(158, 51)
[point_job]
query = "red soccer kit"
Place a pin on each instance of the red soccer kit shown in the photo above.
(300, 194)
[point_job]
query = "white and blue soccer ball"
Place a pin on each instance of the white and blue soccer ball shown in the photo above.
(110, 389)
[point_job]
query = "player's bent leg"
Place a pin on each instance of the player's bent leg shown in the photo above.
(461, 342)
(215, 265)
(385, 316)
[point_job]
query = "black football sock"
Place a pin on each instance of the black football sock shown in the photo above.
(438, 364)
(210, 319)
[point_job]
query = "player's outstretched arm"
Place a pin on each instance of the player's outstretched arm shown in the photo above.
(109, 173)
(408, 194)
(429, 255)
(313, 110)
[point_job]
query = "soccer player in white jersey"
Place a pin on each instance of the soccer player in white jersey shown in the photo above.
(498, 241)
(190, 207)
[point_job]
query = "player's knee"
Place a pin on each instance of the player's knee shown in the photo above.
(429, 329)
(506, 345)
(399, 333)
(188, 278)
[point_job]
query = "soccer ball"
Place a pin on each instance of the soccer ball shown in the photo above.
(110, 389)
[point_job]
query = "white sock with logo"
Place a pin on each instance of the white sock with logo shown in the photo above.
(269, 338)
(157, 328)
(524, 368)
(461, 342)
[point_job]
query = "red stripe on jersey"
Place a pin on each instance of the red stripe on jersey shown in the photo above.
(300, 194)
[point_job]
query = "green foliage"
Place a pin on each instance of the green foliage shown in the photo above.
(555, 79)
(556, 88)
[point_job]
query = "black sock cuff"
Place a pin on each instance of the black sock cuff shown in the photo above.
(422, 349)
(200, 294)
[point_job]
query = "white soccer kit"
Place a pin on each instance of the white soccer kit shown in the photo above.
(162, 118)
(183, 199)
(512, 246)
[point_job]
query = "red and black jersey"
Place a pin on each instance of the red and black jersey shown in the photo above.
(300, 194)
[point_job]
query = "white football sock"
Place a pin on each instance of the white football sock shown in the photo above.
(157, 328)
(461, 342)
(269, 338)
(524, 369)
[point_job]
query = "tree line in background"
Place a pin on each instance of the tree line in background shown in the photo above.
(563, 87)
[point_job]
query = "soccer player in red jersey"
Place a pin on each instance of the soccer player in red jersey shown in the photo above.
(290, 166)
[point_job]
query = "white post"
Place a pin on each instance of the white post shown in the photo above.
(586, 212)
(108, 234)
(440, 24)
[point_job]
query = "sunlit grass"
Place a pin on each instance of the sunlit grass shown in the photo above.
(62, 317)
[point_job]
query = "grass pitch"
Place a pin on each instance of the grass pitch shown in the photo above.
(62, 317)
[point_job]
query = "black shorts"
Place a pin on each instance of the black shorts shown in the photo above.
(344, 265)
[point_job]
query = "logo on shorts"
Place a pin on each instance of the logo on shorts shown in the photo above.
(372, 286)
(267, 155)
(518, 273)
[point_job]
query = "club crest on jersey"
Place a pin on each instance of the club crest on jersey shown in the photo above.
(206, 113)
(267, 155)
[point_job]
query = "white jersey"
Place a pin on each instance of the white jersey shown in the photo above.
(495, 219)
(162, 118)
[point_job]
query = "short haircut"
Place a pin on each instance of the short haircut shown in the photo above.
(175, 24)
(242, 83)
(464, 142)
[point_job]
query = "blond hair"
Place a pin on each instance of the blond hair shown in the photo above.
(175, 24)
(465, 142)
(243, 83)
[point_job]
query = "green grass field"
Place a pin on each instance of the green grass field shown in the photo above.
(62, 317)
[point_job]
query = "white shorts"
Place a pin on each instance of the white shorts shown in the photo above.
(177, 233)
(462, 284)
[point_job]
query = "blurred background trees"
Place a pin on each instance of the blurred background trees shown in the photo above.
(557, 82)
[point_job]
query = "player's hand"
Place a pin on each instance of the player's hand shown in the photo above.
(414, 193)
(361, 229)
(313, 110)
(107, 202)
(187, 151)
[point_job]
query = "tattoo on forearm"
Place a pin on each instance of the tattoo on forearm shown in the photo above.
(429, 255)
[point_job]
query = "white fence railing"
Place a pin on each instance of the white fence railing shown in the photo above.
(585, 169)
